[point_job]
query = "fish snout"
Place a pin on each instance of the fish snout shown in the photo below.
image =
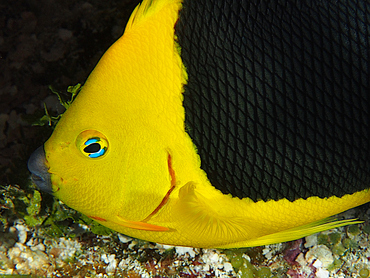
(37, 166)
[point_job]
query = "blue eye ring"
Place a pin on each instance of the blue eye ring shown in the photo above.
(92, 144)
(94, 148)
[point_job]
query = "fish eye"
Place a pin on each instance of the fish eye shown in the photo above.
(92, 143)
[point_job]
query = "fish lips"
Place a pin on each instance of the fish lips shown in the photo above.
(37, 166)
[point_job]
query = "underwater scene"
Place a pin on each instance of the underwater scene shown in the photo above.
(241, 129)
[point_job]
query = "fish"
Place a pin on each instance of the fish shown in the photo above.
(220, 124)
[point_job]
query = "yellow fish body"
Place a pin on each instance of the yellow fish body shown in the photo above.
(196, 129)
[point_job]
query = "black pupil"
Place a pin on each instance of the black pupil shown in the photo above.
(92, 148)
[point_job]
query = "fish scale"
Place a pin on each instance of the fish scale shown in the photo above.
(296, 126)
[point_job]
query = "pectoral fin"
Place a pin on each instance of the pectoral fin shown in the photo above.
(218, 222)
(208, 217)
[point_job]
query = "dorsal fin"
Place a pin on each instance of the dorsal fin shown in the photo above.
(144, 10)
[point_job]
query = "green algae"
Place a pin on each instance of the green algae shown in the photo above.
(323, 239)
(17, 203)
(40, 209)
(65, 100)
(339, 249)
(364, 272)
(353, 230)
(245, 268)
(334, 238)
(16, 276)
(350, 243)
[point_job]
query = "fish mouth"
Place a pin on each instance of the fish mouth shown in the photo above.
(39, 171)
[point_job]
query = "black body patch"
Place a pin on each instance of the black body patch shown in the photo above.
(277, 101)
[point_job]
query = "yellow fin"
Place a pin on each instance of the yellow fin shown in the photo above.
(199, 213)
(295, 233)
(211, 220)
(144, 10)
(139, 225)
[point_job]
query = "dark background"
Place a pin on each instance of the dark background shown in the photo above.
(43, 43)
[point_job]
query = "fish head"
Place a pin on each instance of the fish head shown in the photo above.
(104, 160)
(110, 155)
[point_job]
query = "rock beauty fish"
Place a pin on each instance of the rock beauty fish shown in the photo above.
(220, 123)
